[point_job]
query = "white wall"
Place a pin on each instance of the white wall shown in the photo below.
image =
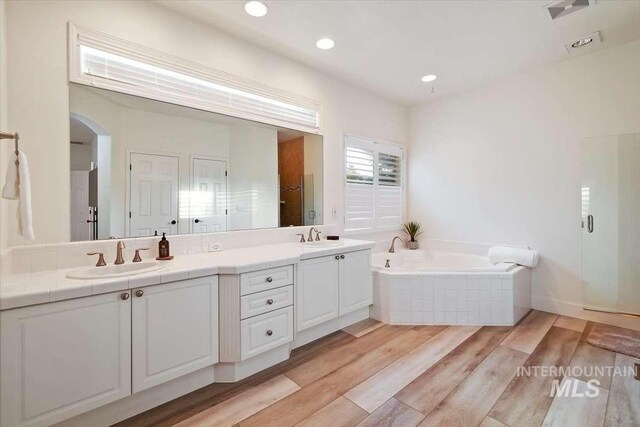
(38, 94)
(4, 150)
(501, 163)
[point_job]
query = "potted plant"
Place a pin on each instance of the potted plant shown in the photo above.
(413, 229)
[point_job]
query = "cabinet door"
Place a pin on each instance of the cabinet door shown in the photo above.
(61, 359)
(316, 292)
(356, 289)
(174, 330)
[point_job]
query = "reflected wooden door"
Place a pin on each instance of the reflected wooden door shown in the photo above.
(80, 212)
(154, 195)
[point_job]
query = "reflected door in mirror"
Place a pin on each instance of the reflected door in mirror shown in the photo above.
(153, 195)
(208, 198)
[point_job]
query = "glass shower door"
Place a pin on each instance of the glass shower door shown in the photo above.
(611, 223)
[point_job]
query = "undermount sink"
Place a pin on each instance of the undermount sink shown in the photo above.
(109, 271)
(321, 244)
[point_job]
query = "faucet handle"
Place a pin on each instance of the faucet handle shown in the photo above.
(318, 236)
(301, 237)
(136, 257)
(100, 262)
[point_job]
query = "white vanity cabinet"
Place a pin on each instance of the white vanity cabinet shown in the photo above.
(60, 359)
(331, 286)
(256, 312)
(174, 330)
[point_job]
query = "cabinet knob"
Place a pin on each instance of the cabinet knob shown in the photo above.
(124, 296)
(139, 292)
(270, 301)
(269, 332)
(341, 256)
(337, 256)
(269, 279)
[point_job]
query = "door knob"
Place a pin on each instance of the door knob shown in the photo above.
(139, 292)
(337, 257)
(124, 296)
(174, 222)
(341, 256)
(197, 221)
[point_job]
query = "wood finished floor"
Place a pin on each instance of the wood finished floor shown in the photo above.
(382, 375)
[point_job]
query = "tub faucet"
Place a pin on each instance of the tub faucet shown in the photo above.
(392, 249)
(119, 248)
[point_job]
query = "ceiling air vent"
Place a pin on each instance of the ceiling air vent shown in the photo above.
(563, 8)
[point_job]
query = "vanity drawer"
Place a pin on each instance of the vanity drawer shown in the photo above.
(264, 302)
(266, 331)
(258, 281)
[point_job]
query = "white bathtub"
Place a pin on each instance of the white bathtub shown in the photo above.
(406, 261)
(437, 287)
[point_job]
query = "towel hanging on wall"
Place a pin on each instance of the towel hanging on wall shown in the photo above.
(18, 187)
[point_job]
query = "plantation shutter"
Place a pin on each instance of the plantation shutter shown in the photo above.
(359, 210)
(373, 185)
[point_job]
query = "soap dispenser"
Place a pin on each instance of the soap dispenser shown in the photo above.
(163, 249)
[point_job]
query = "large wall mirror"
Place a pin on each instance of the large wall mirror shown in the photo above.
(141, 167)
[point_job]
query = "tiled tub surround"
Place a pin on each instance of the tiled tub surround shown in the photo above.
(431, 296)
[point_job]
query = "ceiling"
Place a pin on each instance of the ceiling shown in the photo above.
(386, 46)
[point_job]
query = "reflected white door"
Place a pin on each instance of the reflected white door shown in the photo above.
(80, 228)
(208, 201)
(153, 195)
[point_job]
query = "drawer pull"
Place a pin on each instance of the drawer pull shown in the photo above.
(269, 332)
(341, 256)
(124, 296)
(337, 256)
(269, 279)
(139, 293)
(270, 301)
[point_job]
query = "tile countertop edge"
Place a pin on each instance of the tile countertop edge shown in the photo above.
(52, 286)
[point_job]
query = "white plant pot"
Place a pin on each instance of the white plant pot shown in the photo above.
(412, 245)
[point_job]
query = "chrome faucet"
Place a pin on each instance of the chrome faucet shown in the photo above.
(392, 249)
(119, 258)
(310, 238)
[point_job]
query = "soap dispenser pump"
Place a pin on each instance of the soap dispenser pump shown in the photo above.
(163, 249)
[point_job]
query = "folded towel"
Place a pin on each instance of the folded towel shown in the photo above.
(524, 257)
(18, 186)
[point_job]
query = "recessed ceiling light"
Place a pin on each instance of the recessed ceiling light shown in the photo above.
(325, 44)
(429, 78)
(581, 42)
(256, 8)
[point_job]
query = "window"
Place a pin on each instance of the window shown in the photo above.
(373, 185)
(104, 61)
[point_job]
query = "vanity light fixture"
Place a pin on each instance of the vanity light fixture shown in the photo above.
(256, 8)
(429, 78)
(325, 44)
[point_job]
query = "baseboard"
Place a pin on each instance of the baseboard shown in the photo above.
(575, 310)
(143, 401)
(232, 372)
(326, 328)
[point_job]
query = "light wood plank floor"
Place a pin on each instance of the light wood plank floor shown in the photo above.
(382, 375)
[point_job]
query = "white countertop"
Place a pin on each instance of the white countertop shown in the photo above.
(21, 290)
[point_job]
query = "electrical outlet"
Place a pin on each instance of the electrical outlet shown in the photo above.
(215, 247)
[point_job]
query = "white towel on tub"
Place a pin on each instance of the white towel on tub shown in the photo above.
(524, 257)
(18, 186)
